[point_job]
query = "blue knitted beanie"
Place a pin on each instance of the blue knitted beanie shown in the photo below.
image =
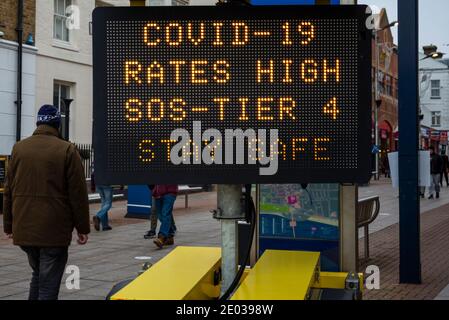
(49, 115)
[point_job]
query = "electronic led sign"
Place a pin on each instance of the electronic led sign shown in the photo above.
(275, 94)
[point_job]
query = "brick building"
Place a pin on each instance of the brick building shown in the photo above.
(9, 62)
(387, 86)
(8, 18)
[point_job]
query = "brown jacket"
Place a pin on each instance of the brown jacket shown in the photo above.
(45, 191)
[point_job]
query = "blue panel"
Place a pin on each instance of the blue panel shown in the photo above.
(139, 201)
(292, 218)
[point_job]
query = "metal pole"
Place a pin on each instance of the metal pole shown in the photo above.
(376, 109)
(409, 210)
(19, 30)
(229, 212)
(67, 103)
(349, 248)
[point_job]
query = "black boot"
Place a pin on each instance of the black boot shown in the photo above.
(438, 195)
(150, 234)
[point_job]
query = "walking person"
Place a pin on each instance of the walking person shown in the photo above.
(165, 195)
(386, 165)
(436, 167)
(101, 218)
(150, 234)
(45, 199)
(445, 159)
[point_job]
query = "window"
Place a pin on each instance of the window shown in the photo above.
(389, 88)
(435, 86)
(60, 30)
(61, 92)
(396, 88)
(380, 82)
(436, 119)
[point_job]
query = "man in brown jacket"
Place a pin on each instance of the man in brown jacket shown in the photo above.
(45, 199)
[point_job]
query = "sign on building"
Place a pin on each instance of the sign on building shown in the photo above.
(232, 95)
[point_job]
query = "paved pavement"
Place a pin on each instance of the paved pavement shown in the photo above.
(109, 257)
(444, 294)
(385, 253)
(434, 259)
(389, 203)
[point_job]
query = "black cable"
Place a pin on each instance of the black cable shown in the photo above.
(239, 274)
(304, 186)
(233, 3)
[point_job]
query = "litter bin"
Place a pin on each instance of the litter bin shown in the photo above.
(139, 202)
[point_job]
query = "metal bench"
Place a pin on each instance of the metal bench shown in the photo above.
(184, 190)
(368, 210)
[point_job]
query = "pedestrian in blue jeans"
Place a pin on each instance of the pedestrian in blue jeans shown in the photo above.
(165, 196)
(106, 203)
(101, 218)
(150, 234)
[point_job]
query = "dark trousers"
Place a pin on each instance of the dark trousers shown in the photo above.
(446, 178)
(48, 266)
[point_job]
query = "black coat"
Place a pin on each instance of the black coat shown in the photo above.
(436, 164)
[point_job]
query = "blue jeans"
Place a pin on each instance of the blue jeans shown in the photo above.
(164, 207)
(106, 204)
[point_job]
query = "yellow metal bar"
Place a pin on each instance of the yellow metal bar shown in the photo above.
(334, 280)
(280, 275)
(137, 3)
(186, 273)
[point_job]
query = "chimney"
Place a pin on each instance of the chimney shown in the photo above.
(428, 50)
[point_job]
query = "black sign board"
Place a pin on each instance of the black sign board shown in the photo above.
(2, 170)
(274, 94)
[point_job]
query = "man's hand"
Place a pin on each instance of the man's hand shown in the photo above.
(82, 239)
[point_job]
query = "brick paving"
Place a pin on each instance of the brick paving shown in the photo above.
(109, 256)
(434, 259)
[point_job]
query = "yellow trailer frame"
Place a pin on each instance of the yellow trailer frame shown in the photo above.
(193, 273)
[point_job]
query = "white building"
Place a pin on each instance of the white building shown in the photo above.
(434, 100)
(434, 75)
(8, 93)
(64, 59)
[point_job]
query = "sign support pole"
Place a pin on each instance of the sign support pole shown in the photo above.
(349, 241)
(409, 204)
(229, 211)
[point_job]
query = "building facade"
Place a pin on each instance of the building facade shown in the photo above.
(9, 61)
(386, 65)
(434, 100)
(64, 61)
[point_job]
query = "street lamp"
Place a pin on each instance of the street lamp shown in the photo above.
(433, 55)
(377, 94)
(67, 103)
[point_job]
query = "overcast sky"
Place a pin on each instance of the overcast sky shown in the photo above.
(434, 21)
